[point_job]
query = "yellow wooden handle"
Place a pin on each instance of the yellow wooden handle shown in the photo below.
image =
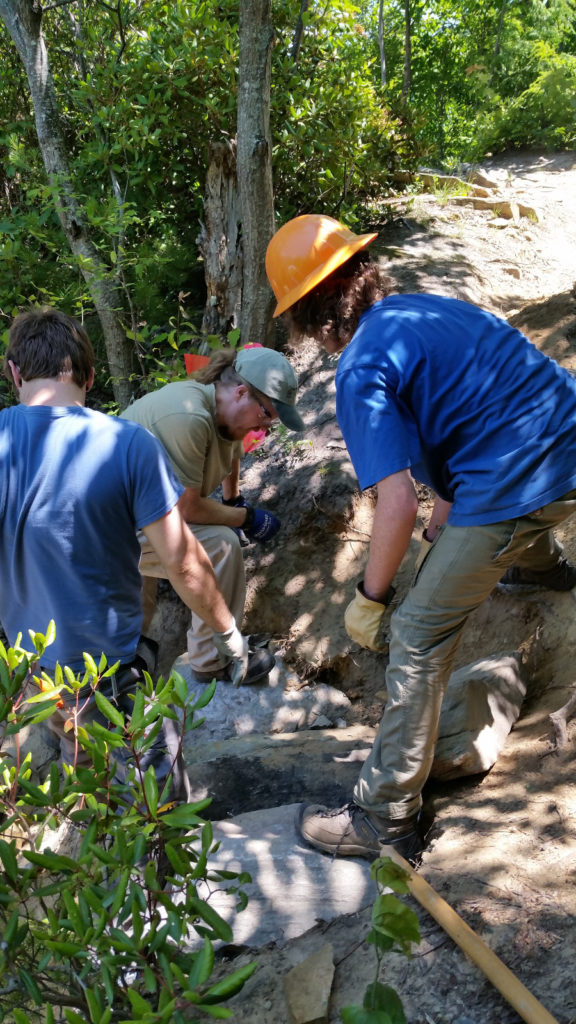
(525, 1004)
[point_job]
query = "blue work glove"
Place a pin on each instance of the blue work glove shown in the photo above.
(260, 525)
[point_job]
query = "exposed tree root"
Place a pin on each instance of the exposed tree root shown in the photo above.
(559, 721)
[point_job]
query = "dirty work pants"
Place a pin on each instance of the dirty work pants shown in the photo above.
(224, 551)
(461, 569)
(165, 754)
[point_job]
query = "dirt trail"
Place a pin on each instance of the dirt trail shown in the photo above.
(502, 847)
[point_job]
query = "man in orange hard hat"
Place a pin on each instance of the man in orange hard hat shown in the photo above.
(433, 389)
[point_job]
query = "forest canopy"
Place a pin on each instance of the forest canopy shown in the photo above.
(357, 90)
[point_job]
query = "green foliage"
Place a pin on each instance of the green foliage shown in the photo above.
(394, 928)
(543, 115)
(100, 930)
(145, 88)
(334, 142)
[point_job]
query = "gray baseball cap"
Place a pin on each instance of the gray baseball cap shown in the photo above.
(270, 372)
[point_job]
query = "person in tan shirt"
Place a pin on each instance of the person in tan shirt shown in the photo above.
(201, 423)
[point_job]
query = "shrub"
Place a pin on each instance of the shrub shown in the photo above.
(102, 931)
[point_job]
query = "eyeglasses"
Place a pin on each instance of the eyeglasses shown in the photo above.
(264, 414)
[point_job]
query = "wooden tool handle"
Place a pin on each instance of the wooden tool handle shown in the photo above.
(525, 1004)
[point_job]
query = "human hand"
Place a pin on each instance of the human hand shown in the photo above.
(363, 618)
(260, 525)
(232, 646)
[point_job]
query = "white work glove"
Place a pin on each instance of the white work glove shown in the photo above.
(363, 618)
(232, 646)
(425, 547)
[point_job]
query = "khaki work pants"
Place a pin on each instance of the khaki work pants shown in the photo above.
(460, 571)
(225, 552)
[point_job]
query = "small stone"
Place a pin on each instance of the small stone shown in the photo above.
(307, 988)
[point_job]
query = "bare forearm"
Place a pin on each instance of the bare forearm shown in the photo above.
(196, 585)
(202, 511)
(440, 513)
(189, 569)
(230, 483)
(394, 520)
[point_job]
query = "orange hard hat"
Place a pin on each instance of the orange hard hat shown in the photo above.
(304, 251)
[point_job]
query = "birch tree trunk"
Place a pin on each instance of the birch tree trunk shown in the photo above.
(255, 167)
(23, 20)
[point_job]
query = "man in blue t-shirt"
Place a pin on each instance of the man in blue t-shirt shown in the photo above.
(75, 487)
(439, 391)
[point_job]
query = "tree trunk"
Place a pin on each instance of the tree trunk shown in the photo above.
(255, 167)
(23, 19)
(381, 43)
(407, 51)
(220, 242)
(299, 31)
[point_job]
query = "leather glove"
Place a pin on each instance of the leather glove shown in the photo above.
(260, 525)
(363, 618)
(425, 546)
(232, 646)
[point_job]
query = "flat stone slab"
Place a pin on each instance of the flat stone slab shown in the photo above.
(252, 772)
(281, 705)
(293, 886)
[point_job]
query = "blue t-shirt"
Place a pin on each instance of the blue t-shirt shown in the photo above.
(75, 486)
(463, 400)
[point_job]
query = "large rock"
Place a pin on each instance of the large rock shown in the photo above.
(248, 772)
(482, 702)
(279, 705)
(293, 886)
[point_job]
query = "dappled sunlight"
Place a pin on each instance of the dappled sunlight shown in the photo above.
(293, 886)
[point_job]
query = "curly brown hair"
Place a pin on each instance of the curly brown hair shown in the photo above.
(331, 311)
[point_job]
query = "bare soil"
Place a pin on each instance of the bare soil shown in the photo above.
(501, 847)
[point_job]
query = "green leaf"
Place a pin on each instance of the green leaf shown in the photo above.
(31, 986)
(229, 986)
(392, 918)
(151, 789)
(203, 965)
(50, 861)
(66, 948)
(383, 997)
(8, 858)
(108, 710)
(358, 1015)
(210, 917)
(138, 1004)
(20, 1017)
(185, 815)
(390, 875)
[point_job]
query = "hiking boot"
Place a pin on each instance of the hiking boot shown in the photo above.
(562, 576)
(350, 831)
(260, 663)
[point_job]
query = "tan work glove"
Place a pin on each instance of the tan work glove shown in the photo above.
(232, 646)
(363, 618)
(425, 546)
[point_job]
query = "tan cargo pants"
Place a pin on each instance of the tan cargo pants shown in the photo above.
(225, 552)
(459, 572)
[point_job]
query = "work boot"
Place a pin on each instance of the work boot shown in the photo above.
(562, 576)
(350, 831)
(260, 663)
